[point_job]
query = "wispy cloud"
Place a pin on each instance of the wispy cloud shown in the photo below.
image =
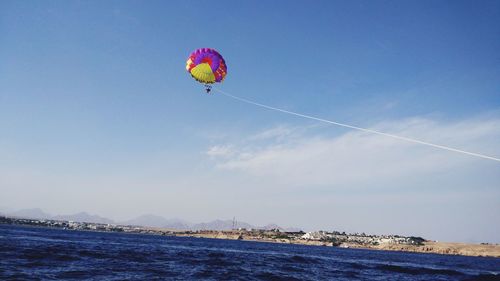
(358, 157)
(277, 133)
(220, 151)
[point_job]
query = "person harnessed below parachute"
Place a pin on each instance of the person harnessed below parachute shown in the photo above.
(207, 66)
(208, 88)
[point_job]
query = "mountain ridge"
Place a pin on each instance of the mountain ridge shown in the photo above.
(145, 220)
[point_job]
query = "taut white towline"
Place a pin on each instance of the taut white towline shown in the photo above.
(359, 128)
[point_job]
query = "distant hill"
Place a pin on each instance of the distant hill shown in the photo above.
(38, 213)
(4, 210)
(161, 222)
(84, 217)
(275, 226)
(157, 221)
(35, 213)
(147, 220)
(220, 225)
(271, 226)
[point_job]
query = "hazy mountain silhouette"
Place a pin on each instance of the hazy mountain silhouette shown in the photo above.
(4, 210)
(157, 221)
(147, 220)
(35, 213)
(272, 226)
(220, 225)
(84, 217)
(38, 213)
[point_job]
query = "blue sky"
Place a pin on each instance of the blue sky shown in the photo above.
(98, 114)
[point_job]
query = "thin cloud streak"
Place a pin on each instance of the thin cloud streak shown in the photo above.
(356, 157)
(444, 147)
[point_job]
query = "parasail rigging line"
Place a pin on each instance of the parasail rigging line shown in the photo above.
(358, 128)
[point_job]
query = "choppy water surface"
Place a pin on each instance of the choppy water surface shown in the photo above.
(29, 253)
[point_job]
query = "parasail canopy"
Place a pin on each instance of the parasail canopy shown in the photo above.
(207, 66)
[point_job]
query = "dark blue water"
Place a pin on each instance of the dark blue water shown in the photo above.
(29, 253)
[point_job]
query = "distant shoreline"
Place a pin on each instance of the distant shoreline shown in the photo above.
(342, 240)
(427, 247)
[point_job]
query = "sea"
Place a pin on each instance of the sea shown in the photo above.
(35, 253)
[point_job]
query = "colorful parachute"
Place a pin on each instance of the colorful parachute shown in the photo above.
(206, 66)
